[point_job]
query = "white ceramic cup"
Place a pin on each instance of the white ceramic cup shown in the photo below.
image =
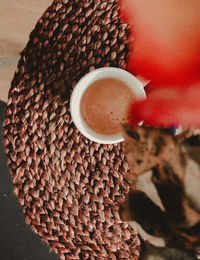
(108, 72)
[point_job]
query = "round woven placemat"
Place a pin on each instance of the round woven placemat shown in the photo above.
(69, 187)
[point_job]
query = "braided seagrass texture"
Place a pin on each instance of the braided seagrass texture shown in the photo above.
(69, 187)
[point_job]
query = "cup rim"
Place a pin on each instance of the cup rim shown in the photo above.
(106, 72)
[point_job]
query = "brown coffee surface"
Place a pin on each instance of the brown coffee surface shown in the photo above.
(104, 105)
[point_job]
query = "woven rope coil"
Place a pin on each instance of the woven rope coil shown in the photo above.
(69, 187)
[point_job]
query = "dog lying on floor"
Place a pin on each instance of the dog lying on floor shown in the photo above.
(164, 201)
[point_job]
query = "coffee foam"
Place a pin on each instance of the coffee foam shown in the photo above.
(104, 105)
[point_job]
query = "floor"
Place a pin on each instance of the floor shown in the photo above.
(18, 19)
(17, 241)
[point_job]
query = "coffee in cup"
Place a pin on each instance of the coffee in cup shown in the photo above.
(104, 105)
(100, 101)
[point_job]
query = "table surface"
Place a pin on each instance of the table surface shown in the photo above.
(18, 19)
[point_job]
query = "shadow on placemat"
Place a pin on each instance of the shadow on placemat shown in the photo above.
(17, 241)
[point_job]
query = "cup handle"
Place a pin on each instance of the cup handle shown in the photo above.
(142, 80)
